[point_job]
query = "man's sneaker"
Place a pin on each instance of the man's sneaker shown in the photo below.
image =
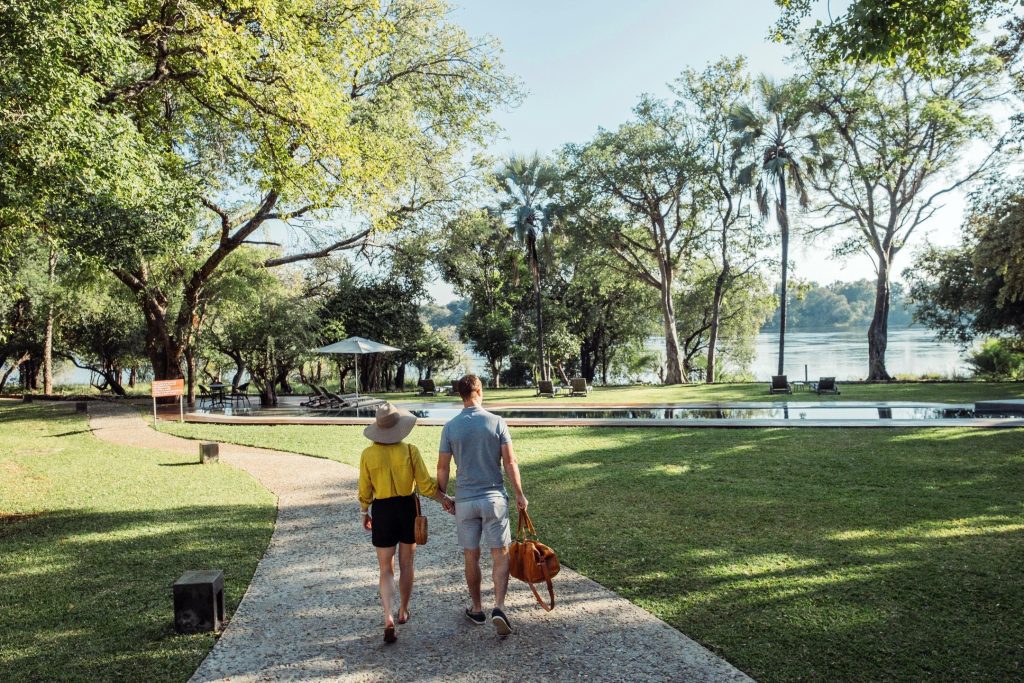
(477, 618)
(501, 622)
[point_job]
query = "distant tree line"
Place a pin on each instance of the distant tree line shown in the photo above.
(840, 306)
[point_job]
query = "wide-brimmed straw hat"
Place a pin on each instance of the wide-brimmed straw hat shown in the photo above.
(391, 425)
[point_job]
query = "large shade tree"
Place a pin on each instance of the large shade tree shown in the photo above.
(895, 151)
(329, 120)
(776, 127)
(639, 191)
(736, 234)
(976, 289)
(924, 34)
(475, 256)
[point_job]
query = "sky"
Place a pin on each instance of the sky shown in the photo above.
(584, 65)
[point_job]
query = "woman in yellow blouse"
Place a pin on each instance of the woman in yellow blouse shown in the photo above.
(389, 473)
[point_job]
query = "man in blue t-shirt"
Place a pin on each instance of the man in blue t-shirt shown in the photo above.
(481, 445)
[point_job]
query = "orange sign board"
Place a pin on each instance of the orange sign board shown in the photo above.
(167, 387)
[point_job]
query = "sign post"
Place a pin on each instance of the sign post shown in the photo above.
(168, 387)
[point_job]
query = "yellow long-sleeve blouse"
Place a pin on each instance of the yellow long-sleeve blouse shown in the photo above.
(386, 471)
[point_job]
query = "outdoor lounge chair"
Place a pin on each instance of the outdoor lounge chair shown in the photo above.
(338, 400)
(826, 385)
(578, 387)
(317, 398)
(780, 385)
(546, 387)
(204, 395)
(427, 387)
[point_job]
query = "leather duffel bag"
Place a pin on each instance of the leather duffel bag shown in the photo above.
(532, 561)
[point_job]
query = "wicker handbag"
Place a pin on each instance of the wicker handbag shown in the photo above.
(532, 561)
(421, 520)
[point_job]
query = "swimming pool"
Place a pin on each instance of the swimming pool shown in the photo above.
(731, 415)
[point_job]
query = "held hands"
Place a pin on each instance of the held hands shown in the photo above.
(521, 501)
(448, 504)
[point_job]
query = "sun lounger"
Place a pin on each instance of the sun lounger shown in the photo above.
(826, 385)
(780, 385)
(547, 388)
(316, 397)
(427, 387)
(578, 387)
(333, 401)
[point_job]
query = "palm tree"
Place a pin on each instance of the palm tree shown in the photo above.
(529, 185)
(776, 129)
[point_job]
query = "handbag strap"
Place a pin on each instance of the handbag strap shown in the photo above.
(412, 467)
(547, 579)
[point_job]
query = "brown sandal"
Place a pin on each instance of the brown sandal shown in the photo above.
(389, 634)
(407, 617)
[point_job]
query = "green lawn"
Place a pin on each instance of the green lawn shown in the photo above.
(91, 538)
(929, 392)
(803, 554)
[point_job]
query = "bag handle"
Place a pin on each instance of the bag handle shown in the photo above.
(524, 519)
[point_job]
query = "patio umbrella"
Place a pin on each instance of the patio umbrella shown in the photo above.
(356, 346)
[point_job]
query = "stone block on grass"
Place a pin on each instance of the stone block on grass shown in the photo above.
(209, 451)
(199, 601)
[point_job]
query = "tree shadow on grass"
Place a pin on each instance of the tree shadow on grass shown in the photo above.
(86, 595)
(806, 554)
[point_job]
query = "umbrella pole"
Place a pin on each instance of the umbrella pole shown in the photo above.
(357, 374)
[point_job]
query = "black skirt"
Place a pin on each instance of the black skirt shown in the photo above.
(394, 521)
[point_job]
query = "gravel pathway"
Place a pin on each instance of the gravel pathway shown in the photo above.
(311, 612)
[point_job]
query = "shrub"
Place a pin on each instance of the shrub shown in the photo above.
(999, 359)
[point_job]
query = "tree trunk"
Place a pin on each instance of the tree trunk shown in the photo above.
(11, 369)
(535, 268)
(400, 377)
(878, 331)
(495, 367)
(133, 373)
(239, 369)
(783, 218)
(561, 373)
(587, 360)
(282, 379)
(716, 315)
(164, 351)
(673, 369)
(48, 338)
(190, 375)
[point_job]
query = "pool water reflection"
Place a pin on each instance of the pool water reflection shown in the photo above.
(798, 411)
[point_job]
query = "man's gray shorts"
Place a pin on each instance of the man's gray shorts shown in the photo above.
(483, 523)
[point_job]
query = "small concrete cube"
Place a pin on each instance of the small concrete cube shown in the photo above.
(209, 451)
(81, 406)
(199, 601)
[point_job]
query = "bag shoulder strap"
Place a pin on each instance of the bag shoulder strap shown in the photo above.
(551, 587)
(412, 466)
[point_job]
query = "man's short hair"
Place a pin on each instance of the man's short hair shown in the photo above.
(468, 385)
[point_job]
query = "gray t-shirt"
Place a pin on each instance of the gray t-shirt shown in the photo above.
(475, 437)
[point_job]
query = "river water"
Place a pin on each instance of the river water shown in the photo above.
(844, 355)
(911, 351)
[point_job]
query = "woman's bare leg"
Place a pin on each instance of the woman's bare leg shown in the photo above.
(406, 555)
(386, 559)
